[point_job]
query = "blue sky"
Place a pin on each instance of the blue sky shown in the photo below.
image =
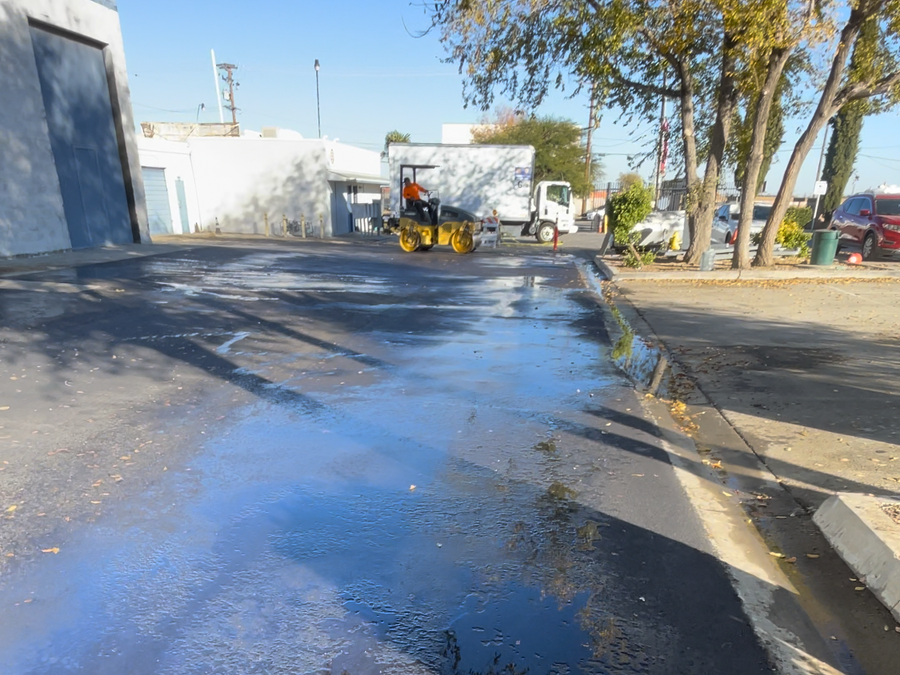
(375, 76)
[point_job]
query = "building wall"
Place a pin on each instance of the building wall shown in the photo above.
(32, 219)
(176, 159)
(240, 179)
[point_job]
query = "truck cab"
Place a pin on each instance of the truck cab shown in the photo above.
(553, 208)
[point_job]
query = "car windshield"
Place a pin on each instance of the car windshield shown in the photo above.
(887, 207)
(761, 212)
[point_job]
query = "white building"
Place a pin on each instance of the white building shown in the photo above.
(235, 184)
(69, 170)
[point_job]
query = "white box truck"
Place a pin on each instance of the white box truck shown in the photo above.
(481, 179)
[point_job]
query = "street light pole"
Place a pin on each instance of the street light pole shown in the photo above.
(318, 109)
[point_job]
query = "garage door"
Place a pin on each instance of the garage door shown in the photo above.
(83, 139)
(157, 193)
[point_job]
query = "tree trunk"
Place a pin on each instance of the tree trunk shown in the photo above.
(777, 61)
(727, 100)
(689, 141)
(824, 111)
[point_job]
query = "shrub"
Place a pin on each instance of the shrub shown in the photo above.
(790, 235)
(625, 210)
(802, 215)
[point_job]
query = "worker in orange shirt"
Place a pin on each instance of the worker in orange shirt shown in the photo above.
(412, 193)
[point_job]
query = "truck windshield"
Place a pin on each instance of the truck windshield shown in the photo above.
(883, 207)
(558, 194)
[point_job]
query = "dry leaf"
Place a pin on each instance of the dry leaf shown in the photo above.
(776, 555)
(791, 560)
(11, 508)
(98, 483)
(4, 407)
(727, 494)
(93, 502)
(812, 556)
(638, 475)
(860, 588)
(412, 487)
(27, 600)
(53, 550)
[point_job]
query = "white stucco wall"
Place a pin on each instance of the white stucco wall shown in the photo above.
(235, 181)
(31, 209)
(240, 179)
(175, 159)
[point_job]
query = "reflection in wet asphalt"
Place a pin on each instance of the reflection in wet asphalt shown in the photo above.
(420, 464)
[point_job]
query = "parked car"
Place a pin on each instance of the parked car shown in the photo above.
(870, 220)
(596, 213)
(727, 217)
(656, 230)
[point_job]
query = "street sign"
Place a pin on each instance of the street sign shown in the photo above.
(821, 188)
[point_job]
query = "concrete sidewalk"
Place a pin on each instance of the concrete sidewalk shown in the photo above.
(794, 382)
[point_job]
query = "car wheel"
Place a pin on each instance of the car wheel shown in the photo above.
(869, 247)
(545, 233)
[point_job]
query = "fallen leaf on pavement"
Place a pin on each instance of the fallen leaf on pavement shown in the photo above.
(53, 550)
(791, 560)
(776, 555)
(860, 588)
(812, 556)
(11, 508)
(4, 407)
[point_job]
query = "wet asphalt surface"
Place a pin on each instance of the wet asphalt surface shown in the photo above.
(340, 459)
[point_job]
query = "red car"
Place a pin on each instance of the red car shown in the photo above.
(870, 220)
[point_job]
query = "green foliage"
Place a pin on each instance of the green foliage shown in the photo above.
(802, 215)
(790, 235)
(739, 149)
(842, 150)
(394, 137)
(643, 258)
(626, 180)
(627, 208)
(558, 152)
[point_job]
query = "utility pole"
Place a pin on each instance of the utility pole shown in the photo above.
(659, 152)
(588, 156)
(212, 53)
(819, 176)
(318, 107)
(229, 69)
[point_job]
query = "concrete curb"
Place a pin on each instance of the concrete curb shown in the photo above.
(606, 270)
(813, 273)
(868, 540)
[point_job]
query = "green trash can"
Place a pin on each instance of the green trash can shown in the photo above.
(824, 247)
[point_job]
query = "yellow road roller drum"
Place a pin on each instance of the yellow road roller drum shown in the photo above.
(415, 236)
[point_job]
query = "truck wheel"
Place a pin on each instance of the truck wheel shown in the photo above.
(545, 233)
(410, 240)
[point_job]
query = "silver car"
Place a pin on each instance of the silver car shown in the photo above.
(725, 222)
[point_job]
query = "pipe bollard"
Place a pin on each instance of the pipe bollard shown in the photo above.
(266, 220)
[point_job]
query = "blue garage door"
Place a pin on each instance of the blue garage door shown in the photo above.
(157, 193)
(83, 139)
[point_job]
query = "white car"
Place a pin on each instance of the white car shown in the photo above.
(657, 229)
(725, 221)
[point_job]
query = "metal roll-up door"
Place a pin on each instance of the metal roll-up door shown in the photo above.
(157, 195)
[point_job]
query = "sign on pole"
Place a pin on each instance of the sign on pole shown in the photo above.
(821, 188)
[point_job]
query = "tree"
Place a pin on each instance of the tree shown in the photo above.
(767, 48)
(626, 48)
(626, 180)
(846, 127)
(558, 152)
(877, 74)
(394, 137)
